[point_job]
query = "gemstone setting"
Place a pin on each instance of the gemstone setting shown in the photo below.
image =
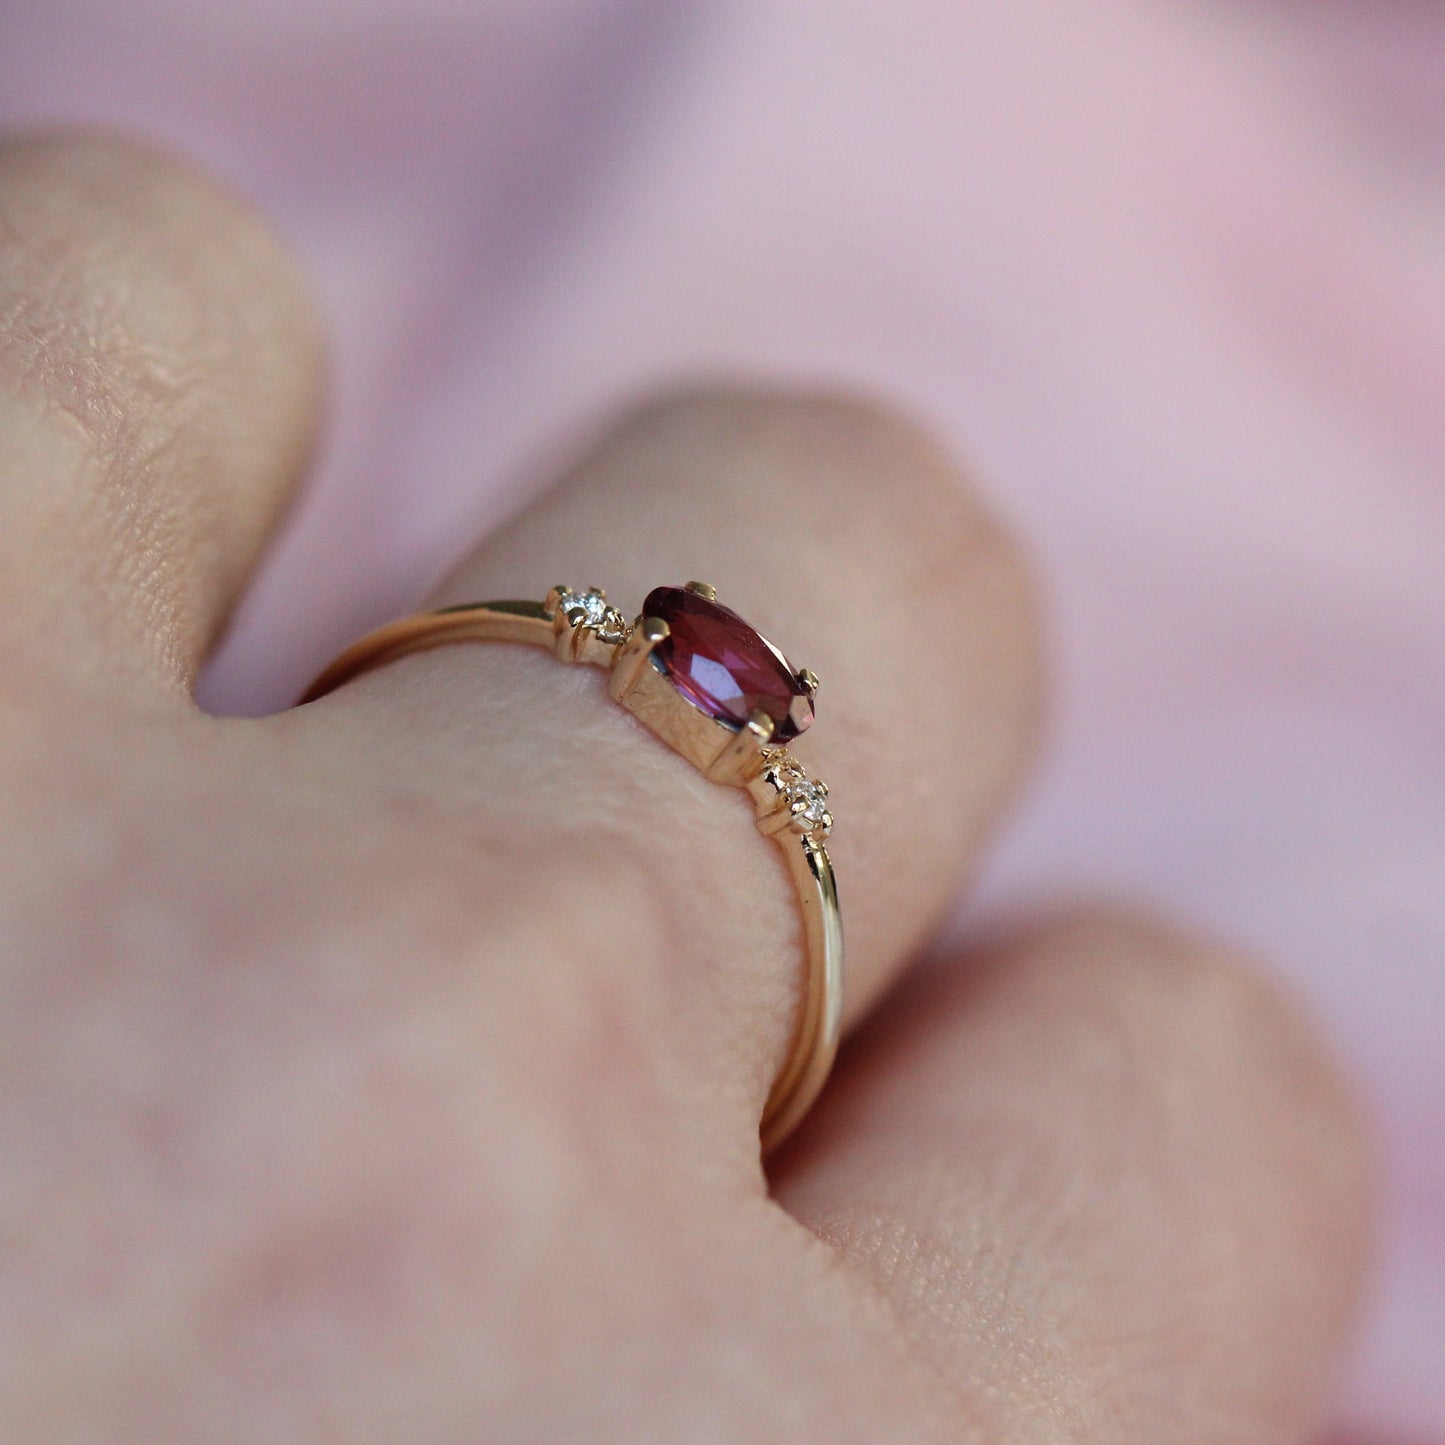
(592, 610)
(724, 666)
(805, 798)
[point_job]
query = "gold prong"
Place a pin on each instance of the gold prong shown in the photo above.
(633, 654)
(743, 752)
(566, 639)
(554, 596)
(803, 824)
(564, 635)
(808, 680)
(703, 589)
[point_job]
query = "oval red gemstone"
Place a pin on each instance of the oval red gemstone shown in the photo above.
(723, 666)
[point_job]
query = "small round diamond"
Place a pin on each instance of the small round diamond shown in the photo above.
(805, 798)
(809, 803)
(591, 609)
(592, 605)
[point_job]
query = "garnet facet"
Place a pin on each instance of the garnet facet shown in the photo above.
(723, 666)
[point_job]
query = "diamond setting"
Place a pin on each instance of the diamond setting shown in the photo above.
(805, 798)
(592, 610)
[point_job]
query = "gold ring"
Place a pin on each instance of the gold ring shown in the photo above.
(718, 692)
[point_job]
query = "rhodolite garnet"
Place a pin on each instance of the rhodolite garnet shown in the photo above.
(723, 666)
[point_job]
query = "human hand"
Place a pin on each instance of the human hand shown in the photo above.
(390, 1069)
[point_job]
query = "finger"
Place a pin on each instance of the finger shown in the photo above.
(846, 536)
(158, 377)
(1108, 1183)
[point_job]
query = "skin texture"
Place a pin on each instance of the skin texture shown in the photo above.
(390, 1069)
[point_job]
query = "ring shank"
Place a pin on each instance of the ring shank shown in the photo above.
(814, 1041)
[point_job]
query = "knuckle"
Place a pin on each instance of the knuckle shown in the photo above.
(119, 262)
(1209, 1102)
(158, 365)
(1244, 1041)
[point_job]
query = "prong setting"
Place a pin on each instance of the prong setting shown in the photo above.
(634, 655)
(702, 589)
(790, 799)
(582, 619)
(724, 667)
(742, 754)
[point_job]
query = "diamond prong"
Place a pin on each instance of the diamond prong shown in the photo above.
(568, 634)
(582, 619)
(799, 802)
(816, 828)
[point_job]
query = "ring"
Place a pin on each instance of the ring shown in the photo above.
(718, 692)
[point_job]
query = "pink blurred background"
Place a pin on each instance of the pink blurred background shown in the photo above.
(1171, 274)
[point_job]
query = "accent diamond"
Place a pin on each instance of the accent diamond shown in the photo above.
(592, 609)
(806, 798)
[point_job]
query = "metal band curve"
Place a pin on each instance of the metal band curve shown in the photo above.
(814, 1042)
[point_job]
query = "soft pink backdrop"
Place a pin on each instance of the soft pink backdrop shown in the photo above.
(1171, 274)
